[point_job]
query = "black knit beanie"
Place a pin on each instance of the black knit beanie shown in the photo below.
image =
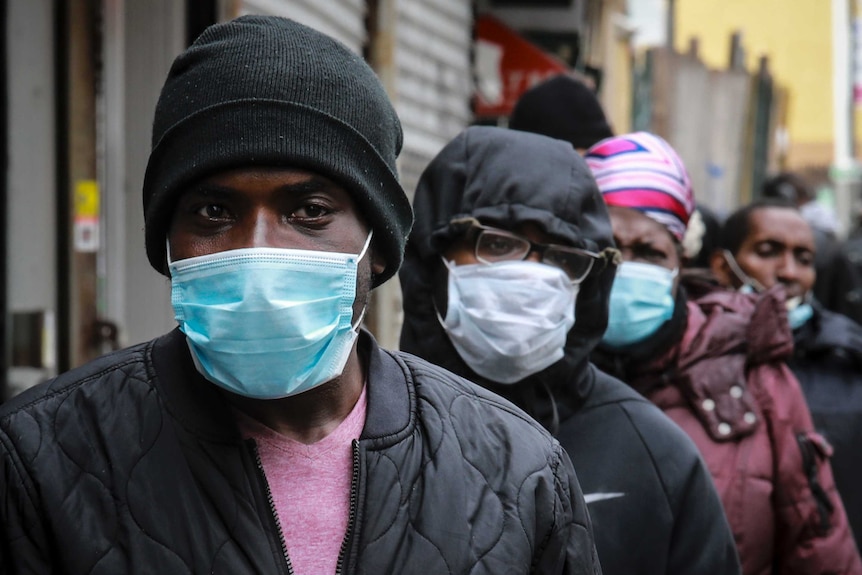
(267, 91)
(562, 107)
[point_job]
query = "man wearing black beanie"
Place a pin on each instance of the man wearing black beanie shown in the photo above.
(564, 108)
(268, 433)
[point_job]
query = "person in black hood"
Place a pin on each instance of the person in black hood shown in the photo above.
(505, 281)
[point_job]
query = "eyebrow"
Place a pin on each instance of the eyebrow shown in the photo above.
(209, 189)
(311, 185)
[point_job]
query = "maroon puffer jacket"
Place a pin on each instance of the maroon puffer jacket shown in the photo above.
(726, 385)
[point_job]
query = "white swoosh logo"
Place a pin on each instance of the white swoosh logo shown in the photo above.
(593, 497)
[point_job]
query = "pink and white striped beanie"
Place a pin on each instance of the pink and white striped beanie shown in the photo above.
(641, 171)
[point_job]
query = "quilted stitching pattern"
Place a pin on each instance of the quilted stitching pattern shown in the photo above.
(495, 518)
(140, 493)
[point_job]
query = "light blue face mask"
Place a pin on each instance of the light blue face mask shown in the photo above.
(267, 323)
(798, 312)
(641, 301)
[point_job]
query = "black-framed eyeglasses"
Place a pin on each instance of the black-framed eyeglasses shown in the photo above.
(492, 245)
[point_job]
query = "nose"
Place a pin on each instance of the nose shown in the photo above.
(789, 270)
(264, 230)
(534, 256)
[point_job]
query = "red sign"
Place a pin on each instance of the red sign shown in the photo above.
(506, 66)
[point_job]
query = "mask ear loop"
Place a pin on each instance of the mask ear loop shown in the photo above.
(449, 265)
(365, 247)
(355, 325)
(741, 275)
(168, 251)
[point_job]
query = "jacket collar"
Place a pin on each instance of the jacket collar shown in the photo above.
(829, 333)
(202, 408)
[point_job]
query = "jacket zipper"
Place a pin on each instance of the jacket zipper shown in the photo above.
(273, 513)
(351, 519)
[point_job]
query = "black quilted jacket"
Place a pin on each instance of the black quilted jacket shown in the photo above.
(133, 464)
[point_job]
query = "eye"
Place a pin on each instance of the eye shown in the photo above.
(805, 259)
(494, 246)
(212, 211)
(648, 253)
(311, 211)
(767, 250)
(576, 265)
(499, 245)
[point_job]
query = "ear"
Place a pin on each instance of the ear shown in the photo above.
(378, 264)
(721, 269)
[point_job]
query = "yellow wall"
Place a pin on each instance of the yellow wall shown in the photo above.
(797, 37)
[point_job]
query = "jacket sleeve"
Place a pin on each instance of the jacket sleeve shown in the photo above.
(812, 532)
(569, 548)
(23, 547)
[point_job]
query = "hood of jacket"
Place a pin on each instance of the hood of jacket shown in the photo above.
(505, 178)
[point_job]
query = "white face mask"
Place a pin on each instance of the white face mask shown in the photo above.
(509, 320)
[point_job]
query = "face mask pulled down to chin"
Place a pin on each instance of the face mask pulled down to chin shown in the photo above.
(799, 308)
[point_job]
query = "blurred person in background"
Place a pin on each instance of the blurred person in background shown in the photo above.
(846, 286)
(562, 107)
(767, 244)
(715, 364)
(506, 281)
(795, 190)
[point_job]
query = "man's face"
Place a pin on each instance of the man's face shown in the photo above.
(274, 208)
(779, 248)
(642, 239)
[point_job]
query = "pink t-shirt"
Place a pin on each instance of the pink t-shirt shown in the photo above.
(310, 486)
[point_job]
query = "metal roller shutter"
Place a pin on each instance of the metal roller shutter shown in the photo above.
(341, 19)
(433, 81)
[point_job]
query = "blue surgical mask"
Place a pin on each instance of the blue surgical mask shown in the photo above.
(798, 312)
(267, 323)
(641, 302)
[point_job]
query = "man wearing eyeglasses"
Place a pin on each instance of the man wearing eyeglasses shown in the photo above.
(506, 281)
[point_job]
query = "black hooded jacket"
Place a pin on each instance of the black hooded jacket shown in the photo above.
(652, 502)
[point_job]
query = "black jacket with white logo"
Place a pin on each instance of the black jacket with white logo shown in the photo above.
(651, 499)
